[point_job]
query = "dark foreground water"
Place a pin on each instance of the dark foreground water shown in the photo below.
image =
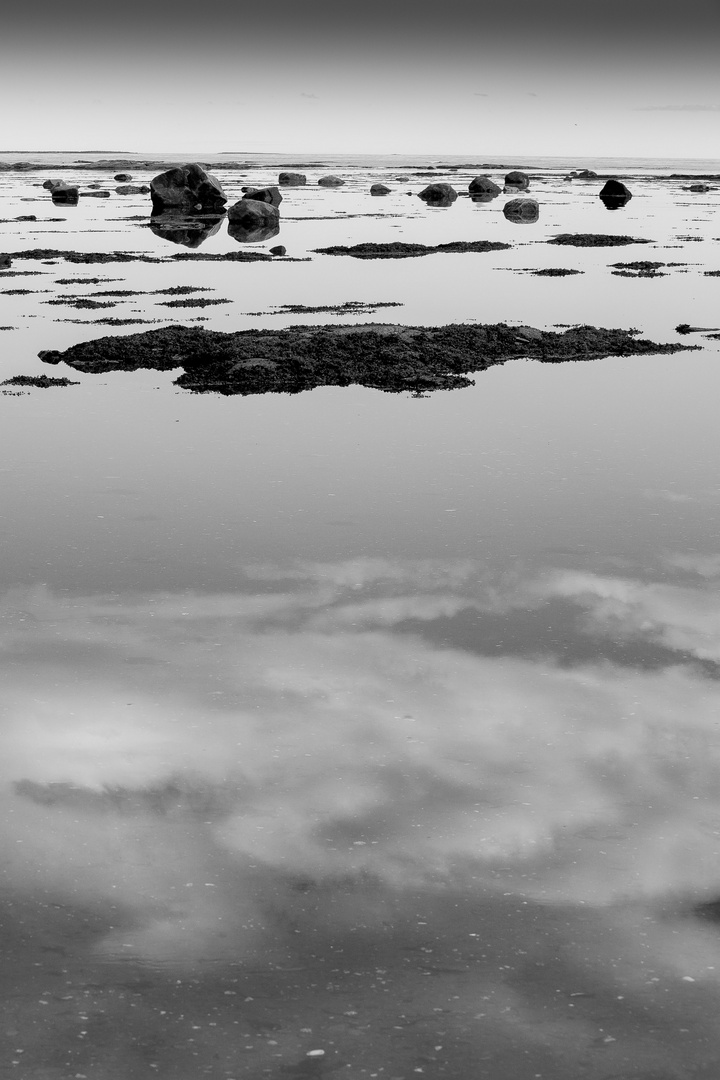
(361, 734)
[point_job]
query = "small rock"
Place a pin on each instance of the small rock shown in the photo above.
(520, 181)
(279, 249)
(122, 177)
(133, 189)
(379, 189)
(250, 221)
(269, 195)
(331, 181)
(67, 196)
(522, 211)
(438, 194)
(616, 190)
(292, 179)
(483, 185)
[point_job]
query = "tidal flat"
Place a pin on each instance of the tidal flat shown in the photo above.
(346, 731)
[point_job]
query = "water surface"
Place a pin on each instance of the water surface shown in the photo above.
(367, 723)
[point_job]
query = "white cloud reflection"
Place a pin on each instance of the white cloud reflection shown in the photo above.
(172, 751)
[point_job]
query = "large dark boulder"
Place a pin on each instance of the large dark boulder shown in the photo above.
(518, 181)
(617, 188)
(615, 195)
(266, 194)
(190, 230)
(522, 211)
(483, 185)
(438, 194)
(251, 222)
(187, 188)
(292, 179)
(330, 181)
(64, 195)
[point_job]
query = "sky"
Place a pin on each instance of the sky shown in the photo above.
(634, 78)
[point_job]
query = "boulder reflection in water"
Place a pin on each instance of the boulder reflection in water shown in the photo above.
(190, 230)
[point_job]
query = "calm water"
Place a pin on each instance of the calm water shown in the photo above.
(363, 723)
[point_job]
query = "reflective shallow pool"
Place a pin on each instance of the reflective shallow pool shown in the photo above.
(362, 734)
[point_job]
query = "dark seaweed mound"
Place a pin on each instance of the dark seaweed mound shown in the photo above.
(386, 357)
(399, 250)
(595, 240)
(43, 381)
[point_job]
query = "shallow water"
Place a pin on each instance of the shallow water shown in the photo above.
(367, 723)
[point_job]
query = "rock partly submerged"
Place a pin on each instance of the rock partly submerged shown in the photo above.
(483, 186)
(389, 357)
(517, 181)
(615, 195)
(186, 188)
(64, 195)
(292, 179)
(269, 194)
(439, 194)
(250, 221)
(522, 211)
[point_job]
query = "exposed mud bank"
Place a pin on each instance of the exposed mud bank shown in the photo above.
(386, 357)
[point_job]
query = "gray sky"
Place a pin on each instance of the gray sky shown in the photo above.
(558, 78)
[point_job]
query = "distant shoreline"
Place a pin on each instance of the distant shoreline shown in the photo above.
(317, 158)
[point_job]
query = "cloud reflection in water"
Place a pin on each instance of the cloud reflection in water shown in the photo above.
(188, 756)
